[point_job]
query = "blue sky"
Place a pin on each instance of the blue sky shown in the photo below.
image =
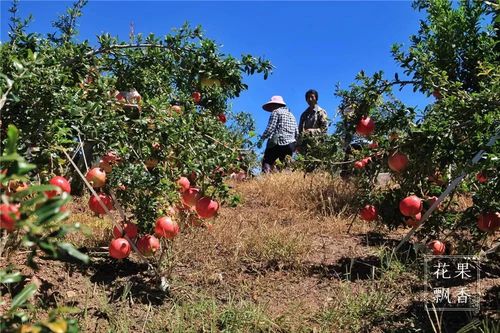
(311, 44)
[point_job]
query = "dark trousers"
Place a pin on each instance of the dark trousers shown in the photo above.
(271, 154)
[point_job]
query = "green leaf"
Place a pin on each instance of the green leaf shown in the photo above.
(9, 81)
(24, 168)
(46, 212)
(34, 189)
(10, 158)
(61, 216)
(12, 137)
(18, 65)
(31, 55)
(7, 278)
(65, 310)
(23, 296)
(70, 249)
(48, 248)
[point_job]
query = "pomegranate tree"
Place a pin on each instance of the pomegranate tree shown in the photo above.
(424, 149)
(134, 133)
(32, 224)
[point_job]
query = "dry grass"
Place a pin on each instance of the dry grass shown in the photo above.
(280, 262)
(316, 192)
(276, 248)
(96, 231)
(280, 225)
(356, 308)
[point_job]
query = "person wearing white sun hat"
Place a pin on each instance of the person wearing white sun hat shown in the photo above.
(281, 132)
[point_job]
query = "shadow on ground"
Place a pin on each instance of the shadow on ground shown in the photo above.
(374, 238)
(125, 279)
(352, 269)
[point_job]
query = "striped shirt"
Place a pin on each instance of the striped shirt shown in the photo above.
(282, 127)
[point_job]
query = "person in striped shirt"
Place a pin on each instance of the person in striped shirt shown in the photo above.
(281, 133)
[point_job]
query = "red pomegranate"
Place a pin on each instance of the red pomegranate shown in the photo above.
(148, 245)
(166, 227)
(183, 184)
(366, 160)
(369, 213)
(207, 208)
(190, 197)
(96, 207)
(222, 118)
(359, 165)
(398, 162)
(488, 222)
(414, 221)
(96, 177)
(176, 109)
(437, 247)
(365, 127)
(120, 97)
(481, 178)
(410, 206)
(111, 157)
(196, 97)
(119, 248)
(130, 229)
(62, 183)
(9, 214)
